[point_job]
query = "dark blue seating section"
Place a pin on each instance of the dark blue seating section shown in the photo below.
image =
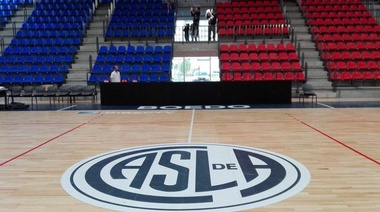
(133, 18)
(7, 10)
(46, 44)
(136, 63)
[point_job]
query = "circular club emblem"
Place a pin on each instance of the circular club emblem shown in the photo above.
(185, 177)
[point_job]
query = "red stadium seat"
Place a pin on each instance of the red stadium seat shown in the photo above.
(226, 77)
(268, 76)
(276, 66)
(335, 76)
(234, 57)
(237, 76)
(233, 48)
(244, 57)
(279, 76)
(289, 76)
(243, 48)
(256, 66)
(246, 66)
(345, 75)
(253, 57)
(236, 66)
(226, 67)
(356, 75)
(300, 76)
(258, 76)
(247, 77)
(367, 75)
(266, 66)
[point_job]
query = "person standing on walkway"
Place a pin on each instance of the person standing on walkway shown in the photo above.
(196, 13)
(211, 17)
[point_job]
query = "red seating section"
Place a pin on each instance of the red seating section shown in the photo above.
(348, 37)
(250, 18)
(247, 62)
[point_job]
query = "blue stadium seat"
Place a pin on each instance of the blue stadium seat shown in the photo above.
(103, 50)
(145, 68)
(93, 79)
(164, 78)
(28, 79)
(122, 50)
(125, 68)
(136, 68)
(153, 78)
(165, 68)
(143, 78)
(112, 50)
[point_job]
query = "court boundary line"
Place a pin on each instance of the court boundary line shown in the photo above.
(336, 140)
(46, 142)
(191, 127)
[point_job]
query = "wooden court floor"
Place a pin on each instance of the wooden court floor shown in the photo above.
(339, 147)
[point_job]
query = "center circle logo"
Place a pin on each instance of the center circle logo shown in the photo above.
(185, 177)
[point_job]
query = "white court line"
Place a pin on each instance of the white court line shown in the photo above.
(326, 105)
(65, 108)
(191, 127)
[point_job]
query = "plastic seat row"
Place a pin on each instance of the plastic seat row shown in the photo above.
(46, 42)
(39, 59)
(263, 56)
(355, 75)
(249, 25)
(8, 7)
(261, 47)
(135, 49)
(254, 30)
(347, 37)
(264, 66)
(53, 92)
(56, 19)
(126, 68)
(138, 6)
(32, 79)
(330, 2)
(64, 6)
(348, 46)
(351, 65)
(341, 21)
(53, 26)
(160, 32)
(265, 3)
(157, 58)
(142, 19)
(156, 12)
(248, 10)
(100, 78)
(345, 29)
(64, 1)
(36, 50)
(151, 27)
(333, 8)
(341, 14)
(58, 13)
(348, 55)
(251, 16)
(49, 34)
(265, 76)
(34, 69)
